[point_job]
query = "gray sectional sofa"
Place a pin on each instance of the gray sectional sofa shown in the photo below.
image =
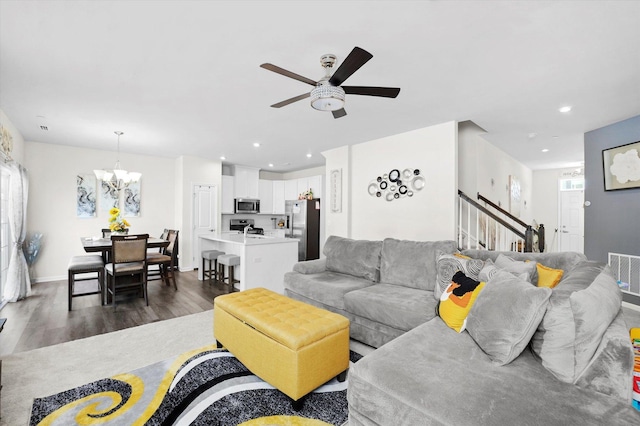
(529, 355)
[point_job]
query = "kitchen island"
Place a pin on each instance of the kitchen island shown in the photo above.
(263, 260)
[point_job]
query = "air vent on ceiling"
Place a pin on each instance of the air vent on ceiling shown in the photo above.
(44, 128)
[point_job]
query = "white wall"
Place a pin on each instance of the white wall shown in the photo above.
(495, 165)
(191, 171)
(469, 140)
(52, 200)
(428, 215)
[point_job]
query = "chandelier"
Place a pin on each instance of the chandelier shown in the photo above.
(117, 178)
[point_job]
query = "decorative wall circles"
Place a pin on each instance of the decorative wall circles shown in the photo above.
(396, 184)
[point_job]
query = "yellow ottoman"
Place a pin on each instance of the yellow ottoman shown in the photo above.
(291, 345)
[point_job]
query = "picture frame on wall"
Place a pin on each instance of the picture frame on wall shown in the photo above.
(621, 167)
(86, 195)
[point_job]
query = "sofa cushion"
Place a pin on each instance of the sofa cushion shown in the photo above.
(412, 263)
(457, 299)
(517, 267)
(581, 307)
(432, 375)
(400, 307)
(505, 316)
(358, 258)
(326, 287)
(565, 260)
(448, 264)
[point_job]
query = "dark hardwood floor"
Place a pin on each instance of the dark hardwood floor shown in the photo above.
(43, 319)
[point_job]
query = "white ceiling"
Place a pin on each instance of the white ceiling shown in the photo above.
(183, 77)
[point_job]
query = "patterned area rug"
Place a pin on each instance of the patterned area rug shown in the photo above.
(207, 386)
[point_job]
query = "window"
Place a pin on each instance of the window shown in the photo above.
(575, 184)
(5, 233)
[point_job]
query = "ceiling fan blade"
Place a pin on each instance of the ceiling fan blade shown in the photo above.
(352, 63)
(385, 92)
(289, 74)
(339, 113)
(290, 101)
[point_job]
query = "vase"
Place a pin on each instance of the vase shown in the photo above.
(124, 232)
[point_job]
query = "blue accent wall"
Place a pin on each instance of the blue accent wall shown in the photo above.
(612, 221)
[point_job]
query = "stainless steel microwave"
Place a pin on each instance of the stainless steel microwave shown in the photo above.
(247, 205)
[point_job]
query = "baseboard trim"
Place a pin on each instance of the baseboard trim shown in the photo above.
(631, 306)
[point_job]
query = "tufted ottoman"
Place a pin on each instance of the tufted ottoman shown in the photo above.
(291, 345)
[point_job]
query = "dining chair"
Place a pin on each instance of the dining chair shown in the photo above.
(106, 232)
(127, 269)
(167, 261)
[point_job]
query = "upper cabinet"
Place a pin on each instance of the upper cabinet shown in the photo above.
(278, 197)
(246, 182)
(291, 189)
(265, 195)
(227, 195)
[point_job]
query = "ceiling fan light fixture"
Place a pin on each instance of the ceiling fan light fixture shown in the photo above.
(327, 98)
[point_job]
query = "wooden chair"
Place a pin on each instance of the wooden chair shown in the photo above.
(85, 265)
(127, 269)
(167, 261)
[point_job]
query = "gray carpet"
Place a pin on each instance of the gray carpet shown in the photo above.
(53, 369)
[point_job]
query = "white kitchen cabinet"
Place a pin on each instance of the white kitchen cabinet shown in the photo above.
(315, 184)
(291, 189)
(246, 182)
(278, 197)
(303, 185)
(265, 195)
(227, 195)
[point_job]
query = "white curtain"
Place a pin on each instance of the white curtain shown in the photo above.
(18, 285)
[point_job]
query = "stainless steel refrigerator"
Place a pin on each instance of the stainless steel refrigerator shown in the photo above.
(303, 217)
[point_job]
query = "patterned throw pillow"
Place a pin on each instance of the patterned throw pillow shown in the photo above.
(449, 264)
(457, 299)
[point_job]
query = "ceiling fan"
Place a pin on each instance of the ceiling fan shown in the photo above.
(328, 94)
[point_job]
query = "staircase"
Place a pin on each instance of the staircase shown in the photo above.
(490, 227)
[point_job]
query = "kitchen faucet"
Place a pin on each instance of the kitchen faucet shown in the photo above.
(246, 229)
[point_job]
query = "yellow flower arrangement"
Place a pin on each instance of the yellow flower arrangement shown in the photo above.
(116, 222)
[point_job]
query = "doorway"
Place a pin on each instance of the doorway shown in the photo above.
(571, 215)
(205, 217)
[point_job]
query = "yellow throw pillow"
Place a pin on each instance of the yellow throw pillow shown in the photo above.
(456, 301)
(460, 255)
(548, 277)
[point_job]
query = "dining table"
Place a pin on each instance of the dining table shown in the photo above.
(103, 245)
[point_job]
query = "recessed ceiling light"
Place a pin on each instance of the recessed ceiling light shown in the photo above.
(545, 150)
(565, 109)
(532, 135)
(223, 158)
(256, 144)
(308, 155)
(270, 164)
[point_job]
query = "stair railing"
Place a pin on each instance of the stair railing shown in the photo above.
(480, 228)
(536, 244)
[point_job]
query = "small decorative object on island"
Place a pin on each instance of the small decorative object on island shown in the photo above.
(395, 185)
(117, 224)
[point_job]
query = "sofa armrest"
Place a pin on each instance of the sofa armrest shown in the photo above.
(311, 266)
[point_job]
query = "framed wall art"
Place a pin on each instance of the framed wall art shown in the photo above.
(621, 167)
(86, 195)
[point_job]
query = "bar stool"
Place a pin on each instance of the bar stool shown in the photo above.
(210, 255)
(231, 261)
(85, 265)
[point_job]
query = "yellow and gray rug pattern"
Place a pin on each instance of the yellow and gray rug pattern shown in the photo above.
(207, 386)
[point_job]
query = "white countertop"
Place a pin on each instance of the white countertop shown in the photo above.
(250, 240)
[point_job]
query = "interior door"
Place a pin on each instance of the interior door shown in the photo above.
(205, 216)
(571, 223)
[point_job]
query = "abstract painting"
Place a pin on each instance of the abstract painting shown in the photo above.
(132, 200)
(622, 167)
(109, 197)
(86, 195)
(515, 196)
